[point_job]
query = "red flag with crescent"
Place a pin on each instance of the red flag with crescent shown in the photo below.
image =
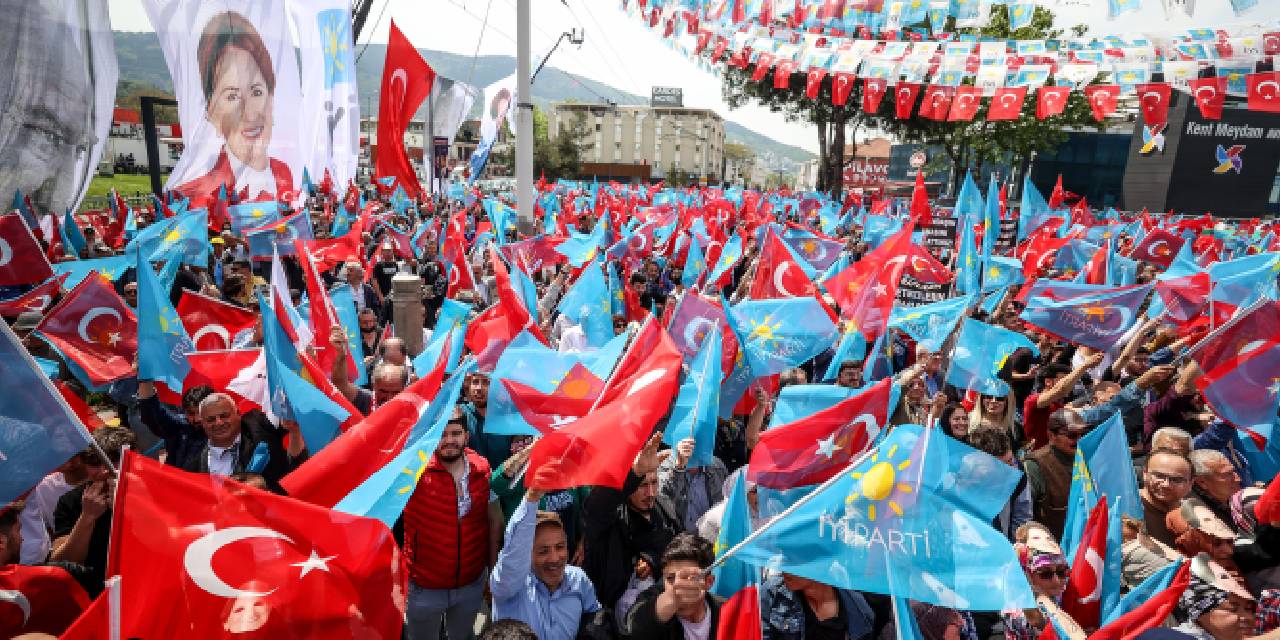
(1103, 99)
(1210, 94)
(406, 82)
(1154, 99)
(1006, 104)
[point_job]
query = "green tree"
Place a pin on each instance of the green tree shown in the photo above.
(978, 142)
(831, 122)
(561, 156)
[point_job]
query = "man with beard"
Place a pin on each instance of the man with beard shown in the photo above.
(494, 448)
(47, 102)
(452, 527)
(532, 581)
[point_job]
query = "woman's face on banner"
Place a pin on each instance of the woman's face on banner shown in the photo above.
(241, 107)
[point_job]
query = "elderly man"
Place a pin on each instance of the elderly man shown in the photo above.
(386, 379)
(1214, 482)
(237, 443)
(363, 294)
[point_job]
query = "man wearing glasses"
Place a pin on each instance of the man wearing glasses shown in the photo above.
(1166, 481)
(1049, 469)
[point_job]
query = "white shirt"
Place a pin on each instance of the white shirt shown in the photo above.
(257, 180)
(222, 460)
(36, 519)
(697, 630)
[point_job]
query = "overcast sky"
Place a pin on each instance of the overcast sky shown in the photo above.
(622, 52)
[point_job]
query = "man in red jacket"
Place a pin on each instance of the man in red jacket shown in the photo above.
(452, 533)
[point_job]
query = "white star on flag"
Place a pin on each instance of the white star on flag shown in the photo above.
(314, 562)
(828, 447)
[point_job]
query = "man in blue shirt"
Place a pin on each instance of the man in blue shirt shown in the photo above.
(533, 581)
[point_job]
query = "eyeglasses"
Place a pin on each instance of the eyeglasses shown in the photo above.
(1049, 572)
(1071, 434)
(1156, 476)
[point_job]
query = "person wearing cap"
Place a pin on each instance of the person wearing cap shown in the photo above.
(533, 581)
(1047, 573)
(1214, 605)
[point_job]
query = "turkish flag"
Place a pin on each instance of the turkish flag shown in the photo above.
(965, 105)
(866, 289)
(38, 600)
(1210, 94)
(841, 86)
(599, 448)
(1103, 99)
(813, 82)
(1151, 613)
(1006, 104)
(1264, 91)
(921, 265)
(212, 324)
(1267, 509)
(873, 93)
(572, 398)
(460, 275)
(37, 299)
(22, 260)
(196, 552)
(818, 446)
(782, 73)
(740, 616)
(331, 252)
(94, 327)
(936, 102)
(764, 62)
(904, 99)
(1158, 247)
(505, 320)
(406, 82)
(778, 275)
(921, 212)
(1050, 101)
(360, 451)
(1083, 595)
(1154, 100)
(79, 407)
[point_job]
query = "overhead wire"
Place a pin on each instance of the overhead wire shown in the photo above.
(373, 29)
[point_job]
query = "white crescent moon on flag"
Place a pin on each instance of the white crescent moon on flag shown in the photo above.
(1100, 98)
(1095, 562)
(646, 379)
(455, 275)
(94, 313)
(15, 598)
(1009, 102)
(1157, 96)
(1271, 83)
(6, 252)
(1151, 249)
(966, 98)
(403, 77)
(39, 303)
(213, 330)
(691, 331)
(197, 561)
(869, 424)
(777, 279)
(917, 267)
(904, 92)
(1213, 92)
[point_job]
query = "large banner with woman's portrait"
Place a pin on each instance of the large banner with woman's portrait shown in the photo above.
(235, 74)
(57, 88)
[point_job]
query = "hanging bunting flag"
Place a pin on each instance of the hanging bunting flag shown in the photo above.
(1103, 99)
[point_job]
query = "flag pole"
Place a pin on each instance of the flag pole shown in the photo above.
(789, 510)
(113, 607)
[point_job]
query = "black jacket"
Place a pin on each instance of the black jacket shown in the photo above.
(257, 435)
(642, 619)
(617, 535)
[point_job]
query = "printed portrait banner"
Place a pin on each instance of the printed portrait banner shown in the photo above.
(235, 74)
(55, 101)
(498, 98)
(330, 127)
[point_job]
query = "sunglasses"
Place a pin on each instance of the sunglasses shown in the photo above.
(1072, 435)
(1049, 572)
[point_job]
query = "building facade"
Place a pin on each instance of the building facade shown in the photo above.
(641, 143)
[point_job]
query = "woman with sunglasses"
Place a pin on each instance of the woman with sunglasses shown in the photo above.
(996, 412)
(1047, 571)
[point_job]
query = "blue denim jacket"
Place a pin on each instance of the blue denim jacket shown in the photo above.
(784, 615)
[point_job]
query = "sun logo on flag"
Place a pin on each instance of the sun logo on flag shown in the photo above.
(1080, 471)
(880, 485)
(174, 235)
(416, 474)
(1097, 312)
(764, 331)
(335, 37)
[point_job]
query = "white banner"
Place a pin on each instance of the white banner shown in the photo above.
(235, 74)
(56, 99)
(498, 98)
(330, 126)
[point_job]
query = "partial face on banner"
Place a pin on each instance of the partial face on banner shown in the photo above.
(239, 97)
(56, 97)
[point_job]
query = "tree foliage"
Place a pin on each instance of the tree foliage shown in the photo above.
(560, 156)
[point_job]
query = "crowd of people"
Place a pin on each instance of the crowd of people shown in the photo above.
(488, 551)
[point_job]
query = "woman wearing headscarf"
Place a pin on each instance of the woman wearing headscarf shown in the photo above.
(1214, 606)
(1047, 572)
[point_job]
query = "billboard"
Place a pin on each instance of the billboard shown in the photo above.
(666, 97)
(1193, 165)
(866, 173)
